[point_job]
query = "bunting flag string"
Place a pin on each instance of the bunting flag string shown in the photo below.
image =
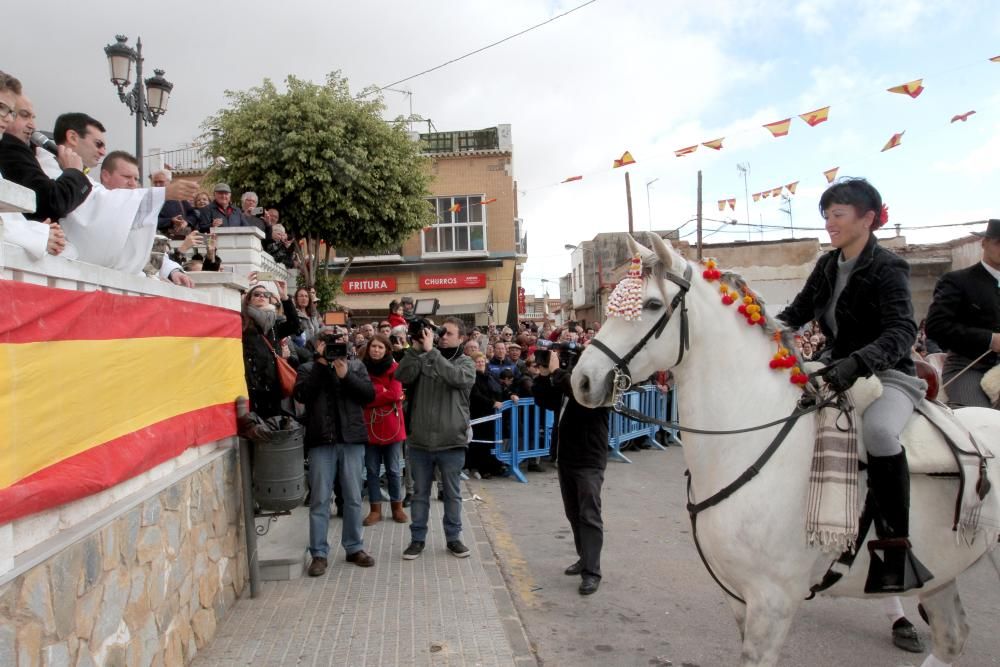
(487, 201)
(680, 152)
(962, 116)
(814, 118)
(715, 144)
(911, 88)
(722, 204)
(625, 160)
(779, 128)
(455, 208)
(831, 174)
(756, 196)
(995, 59)
(791, 187)
(894, 141)
(573, 178)
(732, 204)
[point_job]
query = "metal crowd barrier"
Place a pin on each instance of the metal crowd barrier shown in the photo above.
(649, 401)
(530, 428)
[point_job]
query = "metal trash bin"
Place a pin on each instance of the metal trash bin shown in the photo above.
(279, 476)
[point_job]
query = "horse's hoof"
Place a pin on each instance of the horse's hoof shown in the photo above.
(905, 636)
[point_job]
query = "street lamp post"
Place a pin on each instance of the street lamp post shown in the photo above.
(146, 104)
(649, 207)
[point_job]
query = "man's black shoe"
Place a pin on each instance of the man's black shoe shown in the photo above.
(905, 636)
(575, 568)
(413, 551)
(458, 550)
(589, 584)
(407, 499)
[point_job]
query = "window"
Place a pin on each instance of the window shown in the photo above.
(460, 225)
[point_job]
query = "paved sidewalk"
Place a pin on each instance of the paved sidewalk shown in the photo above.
(436, 610)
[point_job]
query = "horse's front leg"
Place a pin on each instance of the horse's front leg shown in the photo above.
(768, 617)
(948, 627)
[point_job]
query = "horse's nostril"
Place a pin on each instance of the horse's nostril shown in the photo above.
(585, 385)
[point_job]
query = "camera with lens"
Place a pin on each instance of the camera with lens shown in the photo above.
(336, 346)
(569, 353)
(417, 326)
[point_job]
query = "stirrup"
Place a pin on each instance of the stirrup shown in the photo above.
(896, 569)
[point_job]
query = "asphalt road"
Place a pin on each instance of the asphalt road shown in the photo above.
(656, 604)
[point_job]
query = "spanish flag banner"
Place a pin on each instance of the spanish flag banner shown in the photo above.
(995, 59)
(911, 88)
(894, 141)
(681, 152)
(779, 128)
(455, 208)
(487, 201)
(732, 204)
(791, 187)
(625, 160)
(97, 388)
(962, 116)
(572, 178)
(814, 118)
(756, 196)
(776, 192)
(715, 144)
(722, 204)
(831, 174)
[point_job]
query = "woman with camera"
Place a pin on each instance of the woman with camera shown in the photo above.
(386, 430)
(265, 328)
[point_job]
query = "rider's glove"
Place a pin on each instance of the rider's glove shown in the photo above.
(842, 374)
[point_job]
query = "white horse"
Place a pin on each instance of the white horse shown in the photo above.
(755, 541)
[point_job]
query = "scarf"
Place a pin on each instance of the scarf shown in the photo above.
(832, 506)
(265, 318)
(380, 366)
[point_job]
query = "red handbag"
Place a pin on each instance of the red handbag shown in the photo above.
(286, 374)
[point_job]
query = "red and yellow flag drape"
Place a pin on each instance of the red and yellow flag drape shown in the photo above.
(97, 388)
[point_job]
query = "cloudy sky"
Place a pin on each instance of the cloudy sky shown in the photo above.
(647, 76)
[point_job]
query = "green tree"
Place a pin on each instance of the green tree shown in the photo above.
(337, 171)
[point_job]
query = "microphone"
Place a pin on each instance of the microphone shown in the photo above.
(39, 139)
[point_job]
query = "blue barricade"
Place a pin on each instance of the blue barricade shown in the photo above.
(649, 401)
(528, 434)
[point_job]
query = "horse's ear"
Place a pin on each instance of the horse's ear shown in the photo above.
(636, 249)
(668, 258)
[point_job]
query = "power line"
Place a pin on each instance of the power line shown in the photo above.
(488, 46)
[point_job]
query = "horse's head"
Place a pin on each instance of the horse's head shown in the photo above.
(646, 345)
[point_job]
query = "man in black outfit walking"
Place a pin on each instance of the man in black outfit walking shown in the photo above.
(582, 435)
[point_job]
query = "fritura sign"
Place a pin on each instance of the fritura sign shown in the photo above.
(365, 285)
(453, 281)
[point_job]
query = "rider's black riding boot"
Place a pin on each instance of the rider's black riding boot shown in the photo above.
(894, 568)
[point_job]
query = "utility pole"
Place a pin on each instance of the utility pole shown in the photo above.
(744, 168)
(699, 215)
(628, 198)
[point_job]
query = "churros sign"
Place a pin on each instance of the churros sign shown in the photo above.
(453, 281)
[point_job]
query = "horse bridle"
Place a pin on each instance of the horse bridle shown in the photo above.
(622, 374)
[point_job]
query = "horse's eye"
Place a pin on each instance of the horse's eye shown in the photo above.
(653, 304)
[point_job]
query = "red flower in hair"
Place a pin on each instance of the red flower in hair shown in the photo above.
(883, 216)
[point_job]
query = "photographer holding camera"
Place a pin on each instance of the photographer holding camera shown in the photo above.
(439, 380)
(582, 439)
(335, 389)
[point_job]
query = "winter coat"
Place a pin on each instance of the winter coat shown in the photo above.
(334, 406)
(485, 392)
(966, 313)
(438, 390)
(581, 432)
(874, 313)
(384, 415)
(259, 364)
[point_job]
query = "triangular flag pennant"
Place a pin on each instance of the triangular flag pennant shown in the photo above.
(681, 152)
(776, 192)
(791, 187)
(779, 128)
(962, 116)
(714, 143)
(487, 201)
(911, 88)
(765, 194)
(455, 208)
(894, 141)
(814, 118)
(732, 204)
(625, 160)
(573, 178)
(831, 174)
(995, 59)
(756, 196)
(722, 204)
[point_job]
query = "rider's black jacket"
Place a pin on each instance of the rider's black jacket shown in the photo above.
(874, 313)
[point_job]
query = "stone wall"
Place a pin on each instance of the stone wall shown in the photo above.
(145, 588)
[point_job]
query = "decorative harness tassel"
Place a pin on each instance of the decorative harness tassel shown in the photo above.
(626, 300)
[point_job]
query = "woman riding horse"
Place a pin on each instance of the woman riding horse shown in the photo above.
(860, 294)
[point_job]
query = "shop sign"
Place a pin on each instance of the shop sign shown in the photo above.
(453, 281)
(369, 285)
